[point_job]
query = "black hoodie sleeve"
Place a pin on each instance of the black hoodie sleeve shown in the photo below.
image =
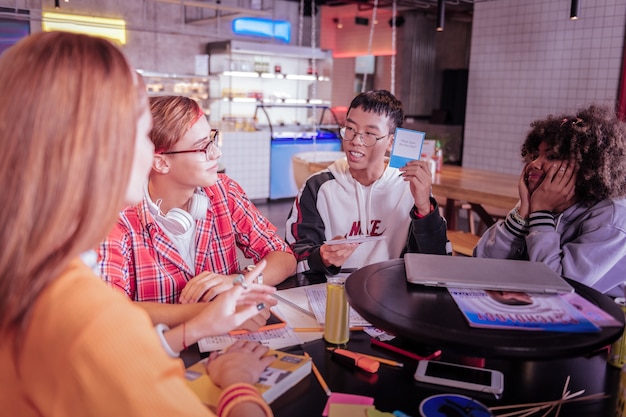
(428, 234)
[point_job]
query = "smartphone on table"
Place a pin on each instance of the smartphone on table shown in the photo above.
(460, 376)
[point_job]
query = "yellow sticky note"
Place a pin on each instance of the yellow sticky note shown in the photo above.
(377, 413)
(348, 410)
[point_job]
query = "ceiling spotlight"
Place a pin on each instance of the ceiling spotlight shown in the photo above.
(441, 15)
(337, 22)
(574, 10)
(56, 4)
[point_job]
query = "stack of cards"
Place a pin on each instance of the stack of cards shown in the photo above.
(407, 146)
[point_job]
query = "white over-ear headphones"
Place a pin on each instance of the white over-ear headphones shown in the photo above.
(178, 221)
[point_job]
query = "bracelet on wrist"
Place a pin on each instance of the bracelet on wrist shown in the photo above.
(517, 218)
(420, 215)
(184, 336)
(161, 329)
(240, 393)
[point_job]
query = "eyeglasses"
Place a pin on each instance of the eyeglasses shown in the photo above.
(367, 138)
(208, 150)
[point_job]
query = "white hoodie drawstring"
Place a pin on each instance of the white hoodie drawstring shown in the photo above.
(558, 221)
(363, 218)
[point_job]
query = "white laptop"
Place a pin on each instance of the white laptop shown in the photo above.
(483, 273)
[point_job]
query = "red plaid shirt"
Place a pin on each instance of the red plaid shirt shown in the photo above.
(140, 259)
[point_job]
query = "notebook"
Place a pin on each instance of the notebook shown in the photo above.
(483, 273)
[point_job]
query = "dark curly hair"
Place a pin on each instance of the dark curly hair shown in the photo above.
(380, 102)
(596, 140)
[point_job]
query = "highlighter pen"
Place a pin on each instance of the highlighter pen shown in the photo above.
(356, 359)
(321, 329)
(406, 353)
(378, 359)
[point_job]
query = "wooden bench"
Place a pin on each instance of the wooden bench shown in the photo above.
(463, 243)
(458, 206)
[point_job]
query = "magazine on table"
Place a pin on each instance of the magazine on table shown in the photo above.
(594, 313)
(524, 311)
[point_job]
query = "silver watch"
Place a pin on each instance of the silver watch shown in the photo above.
(259, 278)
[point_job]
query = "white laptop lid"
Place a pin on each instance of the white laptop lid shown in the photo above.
(483, 273)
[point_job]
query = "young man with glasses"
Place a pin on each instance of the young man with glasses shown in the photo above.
(179, 245)
(359, 195)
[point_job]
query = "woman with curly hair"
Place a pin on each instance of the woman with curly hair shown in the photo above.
(572, 211)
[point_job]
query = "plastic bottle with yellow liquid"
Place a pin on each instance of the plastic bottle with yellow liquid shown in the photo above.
(337, 320)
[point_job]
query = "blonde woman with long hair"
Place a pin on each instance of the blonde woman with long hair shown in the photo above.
(74, 125)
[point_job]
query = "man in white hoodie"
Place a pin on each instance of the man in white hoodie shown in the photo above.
(360, 195)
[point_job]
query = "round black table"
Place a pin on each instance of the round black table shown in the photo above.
(395, 388)
(429, 315)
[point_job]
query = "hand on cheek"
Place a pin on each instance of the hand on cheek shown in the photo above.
(557, 191)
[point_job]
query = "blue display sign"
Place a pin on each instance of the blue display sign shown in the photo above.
(266, 28)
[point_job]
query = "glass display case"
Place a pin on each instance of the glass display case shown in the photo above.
(295, 119)
(249, 73)
(294, 130)
(196, 87)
